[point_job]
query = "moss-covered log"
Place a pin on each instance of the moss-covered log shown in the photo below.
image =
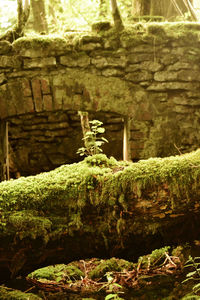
(98, 207)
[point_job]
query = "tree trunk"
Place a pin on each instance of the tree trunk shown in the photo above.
(157, 7)
(141, 7)
(98, 208)
(39, 16)
(18, 30)
(116, 15)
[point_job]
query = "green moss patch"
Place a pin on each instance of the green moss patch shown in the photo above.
(58, 273)
(9, 294)
(36, 201)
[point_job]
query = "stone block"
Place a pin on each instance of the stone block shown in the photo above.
(112, 72)
(179, 66)
(26, 86)
(189, 75)
(90, 39)
(137, 58)
(139, 76)
(10, 62)
(28, 105)
(183, 109)
(186, 101)
(76, 61)
(151, 66)
(45, 86)
(142, 49)
(3, 79)
(47, 103)
(136, 145)
(165, 76)
(37, 94)
(164, 86)
(39, 62)
(169, 59)
(90, 46)
(137, 135)
(59, 95)
(100, 62)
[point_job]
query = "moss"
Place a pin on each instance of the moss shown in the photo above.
(60, 272)
(9, 294)
(109, 265)
(157, 257)
(100, 160)
(40, 42)
(26, 224)
(98, 180)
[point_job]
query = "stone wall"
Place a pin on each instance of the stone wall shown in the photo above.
(150, 73)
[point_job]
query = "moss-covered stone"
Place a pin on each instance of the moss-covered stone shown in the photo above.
(10, 294)
(58, 273)
(109, 265)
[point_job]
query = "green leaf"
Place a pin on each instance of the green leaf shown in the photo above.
(196, 288)
(99, 143)
(104, 139)
(190, 274)
(100, 130)
(110, 296)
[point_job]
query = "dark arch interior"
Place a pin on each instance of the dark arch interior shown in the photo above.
(43, 141)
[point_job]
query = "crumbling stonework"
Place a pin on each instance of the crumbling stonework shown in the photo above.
(150, 73)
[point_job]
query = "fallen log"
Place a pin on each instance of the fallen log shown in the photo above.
(98, 208)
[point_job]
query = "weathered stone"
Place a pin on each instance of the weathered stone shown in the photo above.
(168, 59)
(112, 72)
(45, 86)
(76, 61)
(28, 105)
(5, 47)
(3, 79)
(90, 46)
(151, 66)
(193, 94)
(137, 58)
(139, 76)
(10, 62)
(26, 85)
(189, 75)
(183, 109)
(100, 62)
(47, 103)
(39, 62)
(165, 76)
(90, 39)
(142, 49)
(180, 66)
(37, 94)
(163, 86)
(186, 101)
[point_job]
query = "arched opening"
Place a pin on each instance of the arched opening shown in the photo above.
(35, 143)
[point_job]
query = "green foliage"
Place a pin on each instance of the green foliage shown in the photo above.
(155, 258)
(92, 141)
(193, 275)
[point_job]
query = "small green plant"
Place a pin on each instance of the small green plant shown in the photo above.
(113, 288)
(91, 140)
(193, 275)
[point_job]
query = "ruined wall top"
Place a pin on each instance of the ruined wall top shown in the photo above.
(102, 70)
